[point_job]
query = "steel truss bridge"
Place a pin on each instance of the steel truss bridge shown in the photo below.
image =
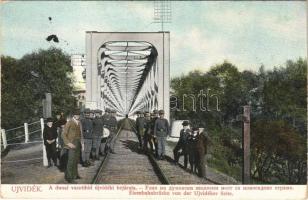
(128, 71)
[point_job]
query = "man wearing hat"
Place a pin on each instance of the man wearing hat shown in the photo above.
(153, 140)
(59, 125)
(201, 149)
(73, 141)
(50, 135)
(161, 131)
(87, 130)
(98, 127)
(139, 127)
(182, 144)
(192, 148)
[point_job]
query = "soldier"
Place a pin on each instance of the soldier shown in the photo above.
(182, 144)
(72, 138)
(147, 135)
(50, 135)
(87, 130)
(201, 150)
(153, 139)
(191, 148)
(98, 127)
(113, 128)
(110, 122)
(139, 127)
(161, 131)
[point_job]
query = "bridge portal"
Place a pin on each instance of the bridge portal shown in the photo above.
(128, 71)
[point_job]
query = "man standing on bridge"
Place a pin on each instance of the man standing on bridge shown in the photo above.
(110, 122)
(98, 127)
(153, 140)
(113, 128)
(72, 138)
(161, 131)
(147, 136)
(201, 150)
(87, 130)
(182, 144)
(139, 127)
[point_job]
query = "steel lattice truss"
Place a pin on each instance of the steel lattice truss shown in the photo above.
(124, 68)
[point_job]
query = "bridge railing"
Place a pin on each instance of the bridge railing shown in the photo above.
(29, 133)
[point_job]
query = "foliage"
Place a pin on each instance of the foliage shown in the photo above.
(25, 81)
(278, 152)
(277, 99)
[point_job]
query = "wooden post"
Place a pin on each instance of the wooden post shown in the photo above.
(4, 141)
(45, 161)
(42, 127)
(26, 133)
(246, 145)
(48, 104)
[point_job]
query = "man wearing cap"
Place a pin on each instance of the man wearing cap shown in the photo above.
(139, 127)
(182, 144)
(98, 128)
(147, 136)
(50, 135)
(73, 141)
(113, 129)
(110, 122)
(87, 130)
(153, 140)
(161, 131)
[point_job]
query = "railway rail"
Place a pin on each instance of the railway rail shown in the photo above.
(130, 166)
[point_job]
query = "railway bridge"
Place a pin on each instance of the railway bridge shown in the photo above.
(127, 71)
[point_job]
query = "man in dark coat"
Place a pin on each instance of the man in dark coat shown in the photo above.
(153, 140)
(50, 135)
(59, 125)
(110, 122)
(182, 144)
(113, 124)
(192, 148)
(161, 131)
(61, 152)
(201, 150)
(140, 127)
(87, 131)
(147, 136)
(98, 127)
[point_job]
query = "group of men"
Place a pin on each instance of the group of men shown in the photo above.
(193, 145)
(79, 139)
(152, 131)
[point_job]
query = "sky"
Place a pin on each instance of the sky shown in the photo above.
(202, 33)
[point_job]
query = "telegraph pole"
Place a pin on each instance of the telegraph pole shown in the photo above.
(162, 12)
(246, 145)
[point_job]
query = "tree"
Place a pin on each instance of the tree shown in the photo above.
(278, 101)
(278, 152)
(25, 81)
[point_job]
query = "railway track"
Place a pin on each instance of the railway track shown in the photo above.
(130, 166)
(127, 165)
